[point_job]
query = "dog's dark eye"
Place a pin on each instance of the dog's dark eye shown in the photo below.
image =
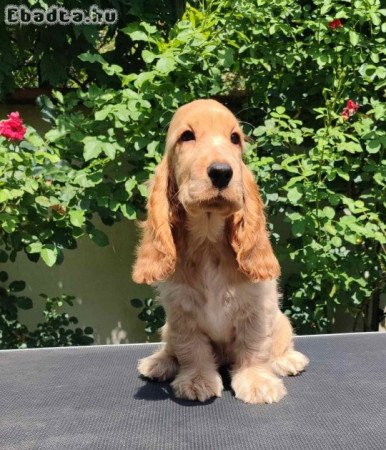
(187, 136)
(235, 138)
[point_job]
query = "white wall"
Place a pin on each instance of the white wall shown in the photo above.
(99, 277)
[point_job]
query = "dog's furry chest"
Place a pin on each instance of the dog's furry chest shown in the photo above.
(209, 290)
(215, 299)
(218, 307)
(204, 288)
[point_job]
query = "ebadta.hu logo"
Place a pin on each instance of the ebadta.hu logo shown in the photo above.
(58, 15)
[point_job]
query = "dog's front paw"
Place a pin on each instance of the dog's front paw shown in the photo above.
(254, 385)
(291, 363)
(197, 386)
(160, 366)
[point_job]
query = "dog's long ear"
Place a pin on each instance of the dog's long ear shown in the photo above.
(249, 237)
(156, 256)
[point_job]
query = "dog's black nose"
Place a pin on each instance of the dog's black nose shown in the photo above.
(220, 174)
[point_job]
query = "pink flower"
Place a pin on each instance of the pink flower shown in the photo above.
(13, 128)
(350, 109)
(336, 23)
(345, 114)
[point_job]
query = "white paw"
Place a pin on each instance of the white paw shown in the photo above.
(197, 386)
(256, 386)
(159, 366)
(291, 363)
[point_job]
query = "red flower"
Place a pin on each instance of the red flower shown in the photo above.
(336, 23)
(13, 128)
(351, 105)
(350, 109)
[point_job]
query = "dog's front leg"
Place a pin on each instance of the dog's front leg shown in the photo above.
(198, 378)
(253, 380)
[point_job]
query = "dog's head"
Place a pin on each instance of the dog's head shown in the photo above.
(202, 172)
(205, 144)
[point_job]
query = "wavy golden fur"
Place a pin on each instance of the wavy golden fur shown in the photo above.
(206, 248)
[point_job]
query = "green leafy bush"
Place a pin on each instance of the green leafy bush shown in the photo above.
(287, 69)
(47, 55)
(40, 214)
(44, 204)
(151, 314)
(56, 330)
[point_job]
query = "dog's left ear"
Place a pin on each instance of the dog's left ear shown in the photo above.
(248, 235)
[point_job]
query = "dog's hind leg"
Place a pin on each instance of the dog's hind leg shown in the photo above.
(285, 359)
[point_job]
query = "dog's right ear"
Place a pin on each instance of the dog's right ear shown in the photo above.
(156, 256)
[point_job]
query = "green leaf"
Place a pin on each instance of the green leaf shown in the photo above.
(58, 95)
(285, 164)
(150, 29)
(259, 131)
(99, 237)
(8, 222)
(354, 38)
(148, 56)
(143, 77)
(226, 58)
(138, 36)
(112, 69)
(149, 302)
(329, 228)
(49, 254)
(280, 110)
(295, 216)
(325, 8)
(77, 217)
(294, 195)
(375, 18)
(92, 148)
(136, 33)
(379, 179)
(130, 185)
(336, 241)
(329, 212)
(103, 113)
(165, 64)
(92, 57)
(17, 286)
(373, 146)
(4, 195)
(43, 201)
(34, 247)
(298, 228)
(351, 238)
(109, 149)
(143, 190)
(351, 147)
(128, 211)
(31, 185)
(342, 174)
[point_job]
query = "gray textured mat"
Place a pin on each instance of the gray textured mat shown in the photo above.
(92, 397)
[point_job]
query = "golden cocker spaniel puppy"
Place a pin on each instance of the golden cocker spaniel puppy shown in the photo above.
(206, 248)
